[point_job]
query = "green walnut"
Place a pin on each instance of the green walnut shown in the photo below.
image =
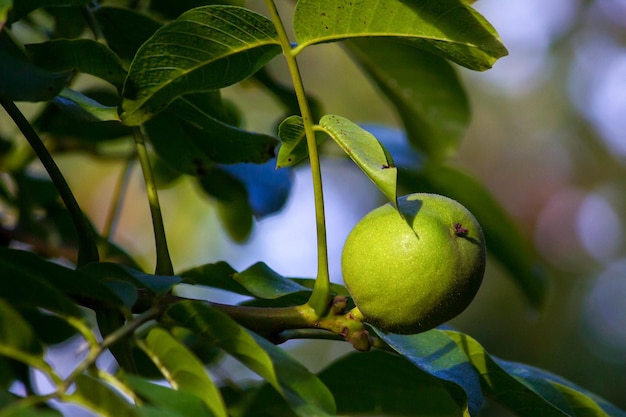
(414, 268)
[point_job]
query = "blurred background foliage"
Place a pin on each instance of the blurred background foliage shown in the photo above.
(547, 138)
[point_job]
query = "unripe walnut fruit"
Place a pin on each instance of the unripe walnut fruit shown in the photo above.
(412, 269)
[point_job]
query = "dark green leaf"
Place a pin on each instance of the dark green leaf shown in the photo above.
(561, 392)
(108, 271)
(436, 353)
(302, 390)
(503, 237)
(182, 402)
(125, 30)
(388, 384)
(20, 80)
(366, 151)
(503, 387)
(229, 44)
(450, 28)
(183, 370)
(424, 89)
(23, 7)
(233, 207)
(98, 397)
(173, 9)
(49, 329)
(83, 55)
(259, 280)
(219, 141)
(29, 411)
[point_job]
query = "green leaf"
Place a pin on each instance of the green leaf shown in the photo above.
(293, 148)
(366, 151)
(16, 336)
(23, 285)
(302, 390)
(183, 403)
(503, 387)
(125, 30)
(424, 89)
(98, 397)
(504, 240)
(69, 281)
(49, 329)
(21, 80)
(83, 55)
(83, 107)
(229, 44)
(449, 28)
(220, 142)
(561, 392)
(108, 271)
(388, 384)
(437, 354)
(5, 8)
(259, 280)
(183, 370)
(29, 411)
(233, 207)
(23, 7)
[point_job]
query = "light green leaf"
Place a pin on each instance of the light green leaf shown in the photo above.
(206, 48)
(366, 151)
(305, 394)
(5, 7)
(294, 147)
(83, 55)
(450, 28)
(424, 89)
(183, 370)
(100, 398)
(83, 107)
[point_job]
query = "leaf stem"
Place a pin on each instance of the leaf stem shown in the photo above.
(163, 260)
(87, 247)
(320, 296)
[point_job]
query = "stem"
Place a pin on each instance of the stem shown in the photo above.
(321, 291)
(163, 261)
(87, 248)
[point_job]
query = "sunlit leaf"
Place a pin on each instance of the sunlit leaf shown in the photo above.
(424, 89)
(100, 398)
(5, 7)
(83, 55)
(183, 370)
(449, 28)
(305, 394)
(436, 353)
(83, 107)
(388, 384)
(206, 48)
(293, 148)
(366, 151)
